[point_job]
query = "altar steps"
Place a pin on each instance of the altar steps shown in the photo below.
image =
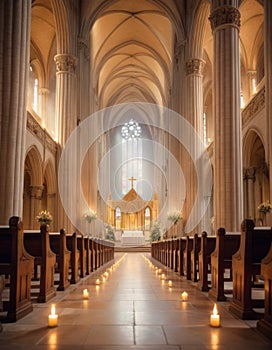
(133, 249)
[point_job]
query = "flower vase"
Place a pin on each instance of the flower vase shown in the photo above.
(262, 219)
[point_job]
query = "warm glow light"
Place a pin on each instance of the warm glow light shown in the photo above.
(170, 283)
(163, 276)
(85, 294)
(215, 318)
(97, 282)
(53, 318)
(184, 296)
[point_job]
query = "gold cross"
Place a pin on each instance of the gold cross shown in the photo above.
(132, 179)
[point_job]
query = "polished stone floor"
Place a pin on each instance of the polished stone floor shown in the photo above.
(132, 309)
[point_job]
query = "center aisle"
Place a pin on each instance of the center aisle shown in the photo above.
(132, 309)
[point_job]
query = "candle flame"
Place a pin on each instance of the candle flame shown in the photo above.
(215, 312)
(53, 309)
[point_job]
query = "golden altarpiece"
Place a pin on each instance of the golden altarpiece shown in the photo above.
(132, 213)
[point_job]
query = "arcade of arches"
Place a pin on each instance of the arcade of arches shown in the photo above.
(208, 60)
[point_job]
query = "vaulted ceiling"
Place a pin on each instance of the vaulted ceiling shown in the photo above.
(132, 43)
(132, 50)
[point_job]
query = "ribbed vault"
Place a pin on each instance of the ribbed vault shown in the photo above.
(131, 53)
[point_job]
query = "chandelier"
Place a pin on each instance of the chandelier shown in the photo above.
(131, 130)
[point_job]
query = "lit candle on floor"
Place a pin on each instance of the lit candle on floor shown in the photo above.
(184, 296)
(53, 318)
(215, 318)
(163, 276)
(97, 282)
(85, 294)
(170, 283)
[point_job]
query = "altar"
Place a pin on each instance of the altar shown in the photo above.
(131, 216)
(132, 238)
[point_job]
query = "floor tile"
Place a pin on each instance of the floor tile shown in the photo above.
(132, 310)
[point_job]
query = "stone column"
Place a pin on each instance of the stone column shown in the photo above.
(66, 111)
(228, 185)
(51, 207)
(194, 114)
(14, 65)
(35, 205)
(66, 95)
(268, 84)
(249, 178)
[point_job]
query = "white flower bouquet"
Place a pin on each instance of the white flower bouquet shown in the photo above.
(174, 216)
(90, 215)
(264, 207)
(44, 217)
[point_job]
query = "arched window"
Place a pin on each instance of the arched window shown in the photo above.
(147, 219)
(131, 153)
(118, 218)
(33, 90)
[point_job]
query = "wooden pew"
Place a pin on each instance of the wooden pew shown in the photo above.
(17, 265)
(95, 254)
(92, 252)
(265, 324)
(169, 253)
(58, 246)
(175, 254)
(87, 248)
(246, 264)
(221, 260)
(99, 253)
(187, 257)
(181, 253)
(108, 251)
(204, 260)
(71, 243)
(194, 258)
(82, 255)
(37, 244)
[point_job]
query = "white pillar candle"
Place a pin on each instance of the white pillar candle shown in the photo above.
(53, 318)
(170, 283)
(163, 276)
(215, 318)
(85, 294)
(184, 296)
(97, 282)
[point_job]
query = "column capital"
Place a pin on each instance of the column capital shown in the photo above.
(44, 91)
(195, 66)
(251, 73)
(36, 191)
(249, 173)
(225, 16)
(65, 63)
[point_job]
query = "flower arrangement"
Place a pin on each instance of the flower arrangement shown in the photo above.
(155, 233)
(174, 216)
(109, 232)
(44, 217)
(89, 216)
(264, 207)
